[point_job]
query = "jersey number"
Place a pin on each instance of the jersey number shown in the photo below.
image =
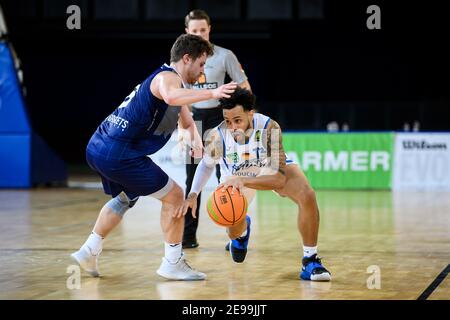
(129, 97)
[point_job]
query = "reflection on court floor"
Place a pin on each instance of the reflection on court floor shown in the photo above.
(377, 244)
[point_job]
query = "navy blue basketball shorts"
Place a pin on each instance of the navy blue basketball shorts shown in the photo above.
(135, 177)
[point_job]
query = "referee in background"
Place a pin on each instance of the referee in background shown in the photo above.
(223, 62)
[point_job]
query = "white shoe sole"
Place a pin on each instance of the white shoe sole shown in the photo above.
(171, 277)
(321, 277)
(93, 273)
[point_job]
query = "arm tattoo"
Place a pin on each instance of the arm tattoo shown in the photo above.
(275, 146)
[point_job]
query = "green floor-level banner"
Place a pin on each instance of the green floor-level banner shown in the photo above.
(343, 160)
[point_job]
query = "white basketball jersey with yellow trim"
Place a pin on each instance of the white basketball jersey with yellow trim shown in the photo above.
(245, 160)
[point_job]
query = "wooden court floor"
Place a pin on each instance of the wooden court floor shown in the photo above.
(377, 244)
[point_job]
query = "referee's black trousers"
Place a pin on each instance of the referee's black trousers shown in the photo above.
(209, 119)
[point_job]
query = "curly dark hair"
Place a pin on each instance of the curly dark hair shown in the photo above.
(241, 97)
(190, 44)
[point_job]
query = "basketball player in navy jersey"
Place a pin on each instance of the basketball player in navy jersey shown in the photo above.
(141, 126)
(248, 146)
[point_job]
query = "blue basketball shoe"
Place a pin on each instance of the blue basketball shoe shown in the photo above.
(238, 247)
(313, 269)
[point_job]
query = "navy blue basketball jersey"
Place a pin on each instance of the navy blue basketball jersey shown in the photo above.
(140, 126)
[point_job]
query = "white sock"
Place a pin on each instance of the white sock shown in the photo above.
(94, 243)
(172, 252)
(309, 251)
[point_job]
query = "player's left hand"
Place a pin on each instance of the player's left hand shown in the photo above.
(235, 182)
(190, 202)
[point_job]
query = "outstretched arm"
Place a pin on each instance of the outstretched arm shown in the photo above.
(167, 86)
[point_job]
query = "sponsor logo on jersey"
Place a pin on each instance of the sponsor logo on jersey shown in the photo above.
(203, 84)
(208, 85)
(233, 157)
(258, 135)
(260, 150)
(201, 79)
(245, 174)
(247, 164)
(117, 121)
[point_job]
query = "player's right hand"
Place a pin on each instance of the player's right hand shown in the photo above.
(190, 202)
(224, 91)
(236, 183)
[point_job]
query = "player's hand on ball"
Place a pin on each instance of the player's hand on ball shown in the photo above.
(190, 202)
(224, 91)
(235, 182)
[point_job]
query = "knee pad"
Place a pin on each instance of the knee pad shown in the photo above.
(121, 204)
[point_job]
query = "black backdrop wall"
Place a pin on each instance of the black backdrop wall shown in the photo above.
(305, 72)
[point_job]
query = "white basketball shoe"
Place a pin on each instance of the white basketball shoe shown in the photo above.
(179, 271)
(87, 260)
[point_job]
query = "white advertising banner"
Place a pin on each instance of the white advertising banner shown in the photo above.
(421, 161)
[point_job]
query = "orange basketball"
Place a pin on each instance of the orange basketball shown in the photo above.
(225, 209)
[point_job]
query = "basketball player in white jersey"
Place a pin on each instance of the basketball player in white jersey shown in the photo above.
(207, 114)
(248, 146)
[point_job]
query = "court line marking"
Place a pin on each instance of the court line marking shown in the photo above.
(428, 291)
